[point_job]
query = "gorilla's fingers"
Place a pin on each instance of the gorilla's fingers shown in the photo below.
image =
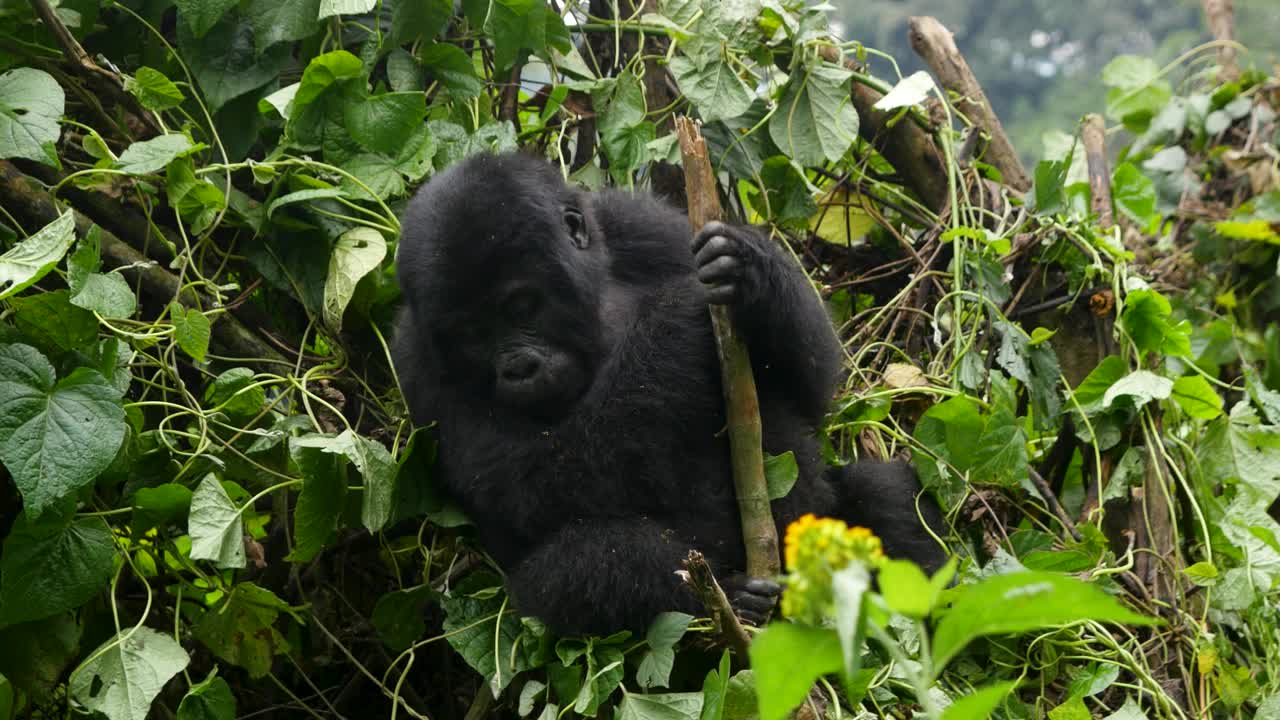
(708, 231)
(721, 270)
(762, 586)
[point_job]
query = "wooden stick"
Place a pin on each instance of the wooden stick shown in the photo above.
(742, 407)
(937, 47)
(1094, 137)
(704, 584)
(1221, 15)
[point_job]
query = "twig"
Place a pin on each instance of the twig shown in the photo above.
(1094, 137)
(936, 46)
(742, 406)
(1051, 500)
(703, 582)
(907, 146)
(1221, 15)
(91, 70)
(23, 195)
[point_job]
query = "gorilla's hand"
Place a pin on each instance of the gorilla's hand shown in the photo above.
(730, 262)
(752, 598)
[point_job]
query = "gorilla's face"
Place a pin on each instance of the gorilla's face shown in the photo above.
(524, 329)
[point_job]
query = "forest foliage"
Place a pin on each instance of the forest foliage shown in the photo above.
(212, 501)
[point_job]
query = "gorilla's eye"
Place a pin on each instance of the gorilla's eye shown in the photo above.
(577, 226)
(521, 306)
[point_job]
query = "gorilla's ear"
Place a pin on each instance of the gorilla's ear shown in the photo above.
(577, 226)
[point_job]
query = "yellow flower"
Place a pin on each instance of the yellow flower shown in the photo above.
(816, 548)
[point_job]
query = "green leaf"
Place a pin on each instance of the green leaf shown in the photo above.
(714, 689)
(482, 636)
(86, 259)
(201, 15)
(1142, 386)
(160, 505)
(787, 659)
(664, 632)
(235, 393)
(127, 672)
(780, 473)
(31, 259)
(1094, 387)
(400, 616)
(1146, 317)
(911, 90)
(712, 84)
(906, 589)
(1134, 193)
(849, 588)
(54, 437)
(215, 526)
(1197, 397)
(226, 62)
(452, 66)
(422, 19)
(1137, 92)
(52, 323)
(107, 294)
(377, 172)
(979, 704)
(1073, 709)
(383, 122)
(303, 196)
(37, 653)
(324, 487)
(1023, 601)
(1050, 191)
(241, 631)
(375, 466)
(669, 706)
(148, 156)
(154, 90)
(208, 700)
(191, 330)
(358, 252)
(280, 21)
(46, 572)
(815, 121)
(330, 8)
(1093, 679)
(31, 104)
(516, 25)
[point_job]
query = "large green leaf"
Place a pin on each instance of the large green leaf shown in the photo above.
(277, 21)
(384, 122)
(148, 156)
(815, 121)
(226, 63)
(452, 66)
(153, 90)
(713, 85)
(669, 706)
(787, 659)
(324, 486)
(375, 466)
(357, 253)
(55, 437)
(46, 571)
(107, 294)
(31, 103)
(664, 632)
(979, 704)
(201, 15)
(208, 700)
(215, 525)
(123, 676)
(31, 259)
(241, 631)
(191, 330)
(482, 636)
(1023, 601)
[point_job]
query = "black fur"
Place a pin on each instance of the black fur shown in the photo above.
(583, 429)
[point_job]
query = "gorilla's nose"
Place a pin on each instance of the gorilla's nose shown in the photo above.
(517, 368)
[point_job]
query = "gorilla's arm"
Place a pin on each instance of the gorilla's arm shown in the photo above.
(599, 575)
(793, 347)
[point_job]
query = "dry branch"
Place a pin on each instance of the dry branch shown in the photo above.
(704, 584)
(742, 406)
(24, 196)
(1094, 137)
(907, 146)
(937, 47)
(1221, 15)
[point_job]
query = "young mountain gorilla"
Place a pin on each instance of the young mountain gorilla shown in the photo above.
(561, 339)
